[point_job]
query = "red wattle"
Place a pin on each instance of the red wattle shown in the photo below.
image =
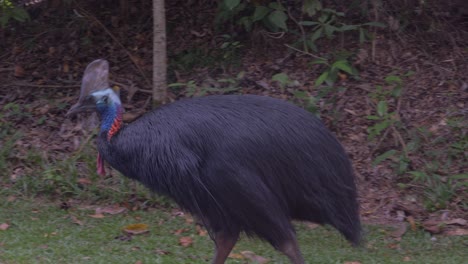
(100, 165)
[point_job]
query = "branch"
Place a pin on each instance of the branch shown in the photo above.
(88, 15)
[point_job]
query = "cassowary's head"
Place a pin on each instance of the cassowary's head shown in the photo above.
(96, 94)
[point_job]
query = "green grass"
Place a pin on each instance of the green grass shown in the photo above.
(41, 232)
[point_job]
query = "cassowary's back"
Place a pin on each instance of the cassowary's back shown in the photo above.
(255, 155)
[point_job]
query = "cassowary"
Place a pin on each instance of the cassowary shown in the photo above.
(238, 163)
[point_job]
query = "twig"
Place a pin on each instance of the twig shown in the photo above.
(305, 53)
(303, 34)
(88, 15)
(41, 85)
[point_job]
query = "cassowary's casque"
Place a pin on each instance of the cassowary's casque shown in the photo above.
(239, 163)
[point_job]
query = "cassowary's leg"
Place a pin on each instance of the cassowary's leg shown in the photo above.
(224, 244)
(291, 249)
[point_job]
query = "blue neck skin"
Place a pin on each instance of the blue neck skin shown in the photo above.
(110, 114)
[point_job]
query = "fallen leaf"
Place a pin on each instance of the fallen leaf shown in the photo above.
(312, 225)
(136, 229)
(236, 256)
(399, 231)
(255, 258)
(352, 262)
(457, 232)
(75, 220)
(4, 226)
(457, 221)
(112, 210)
(185, 241)
(84, 181)
(98, 216)
(180, 231)
(162, 252)
(407, 258)
(410, 220)
(139, 262)
(201, 231)
(11, 198)
(19, 71)
(394, 246)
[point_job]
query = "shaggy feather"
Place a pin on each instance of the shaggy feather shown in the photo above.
(240, 163)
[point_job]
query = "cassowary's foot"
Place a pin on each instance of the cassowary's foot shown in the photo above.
(224, 244)
(291, 250)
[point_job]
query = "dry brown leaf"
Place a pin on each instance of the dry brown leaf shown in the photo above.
(4, 226)
(312, 225)
(201, 231)
(112, 210)
(399, 231)
(410, 220)
(457, 221)
(84, 181)
(457, 232)
(255, 258)
(75, 220)
(162, 252)
(19, 71)
(185, 241)
(407, 258)
(180, 231)
(139, 262)
(236, 256)
(352, 262)
(136, 229)
(98, 216)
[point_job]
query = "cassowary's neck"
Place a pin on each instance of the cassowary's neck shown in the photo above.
(111, 119)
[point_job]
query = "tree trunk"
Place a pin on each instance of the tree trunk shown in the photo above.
(159, 53)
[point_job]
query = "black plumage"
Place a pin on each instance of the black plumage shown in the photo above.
(240, 163)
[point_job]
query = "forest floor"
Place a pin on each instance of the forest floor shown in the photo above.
(421, 184)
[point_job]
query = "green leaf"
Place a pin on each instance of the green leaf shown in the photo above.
(311, 7)
(383, 157)
(321, 78)
(329, 30)
(276, 6)
(260, 13)
(347, 28)
(317, 34)
(373, 117)
(308, 23)
(343, 65)
(20, 14)
(319, 61)
(392, 79)
(418, 175)
(463, 176)
(282, 78)
(278, 18)
(231, 4)
(382, 108)
(375, 24)
(362, 35)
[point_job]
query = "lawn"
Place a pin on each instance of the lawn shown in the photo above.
(45, 232)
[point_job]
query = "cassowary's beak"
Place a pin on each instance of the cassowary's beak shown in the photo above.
(86, 106)
(95, 78)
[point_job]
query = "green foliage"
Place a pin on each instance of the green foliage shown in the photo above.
(224, 85)
(8, 11)
(383, 118)
(316, 22)
(439, 184)
(333, 67)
